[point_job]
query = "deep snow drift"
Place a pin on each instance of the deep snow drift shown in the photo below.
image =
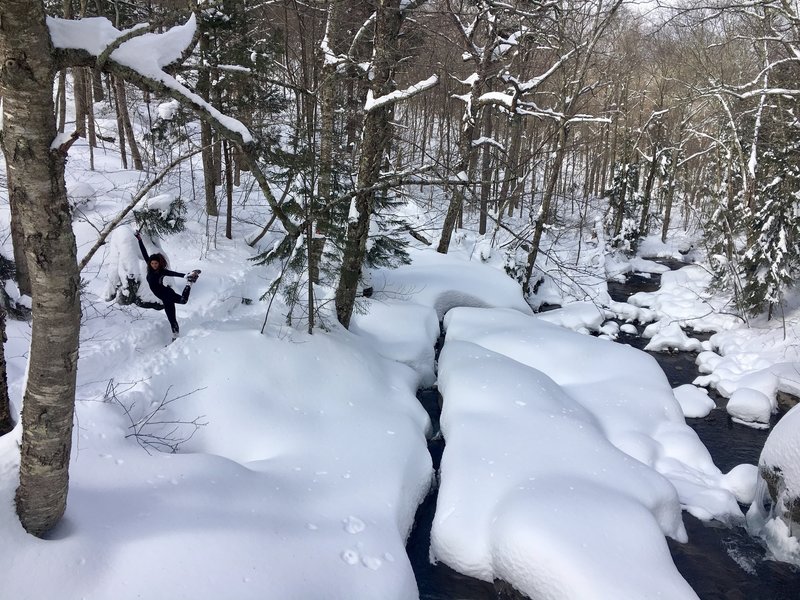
(301, 459)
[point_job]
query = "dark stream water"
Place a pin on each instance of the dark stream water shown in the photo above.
(720, 563)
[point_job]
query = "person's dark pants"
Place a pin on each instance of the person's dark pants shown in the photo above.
(169, 306)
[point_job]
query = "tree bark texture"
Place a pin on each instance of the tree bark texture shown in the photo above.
(328, 93)
(119, 90)
(669, 195)
(26, 84)
(6, 420)
(377, 133)
(122, 107)
(79, 87)
(206, 136)
(18, 244)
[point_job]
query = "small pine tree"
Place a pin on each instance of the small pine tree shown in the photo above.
(162, 215)
(772, 259)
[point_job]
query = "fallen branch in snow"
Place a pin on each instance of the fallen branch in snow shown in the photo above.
(150, 431)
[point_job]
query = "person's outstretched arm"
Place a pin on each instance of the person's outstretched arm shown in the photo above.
(141, 247)
(169, 273)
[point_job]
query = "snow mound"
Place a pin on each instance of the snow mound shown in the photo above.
(695, 401)
(775, 514)
(669, 336)
(750, 407)
(578, 316)
(442, 282)
(527, 432)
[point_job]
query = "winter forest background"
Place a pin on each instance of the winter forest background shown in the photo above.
(351, 177)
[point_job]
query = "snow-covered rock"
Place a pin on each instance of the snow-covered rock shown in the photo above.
(779, 490)
(670, 336)
(695, 401)
(750, 407)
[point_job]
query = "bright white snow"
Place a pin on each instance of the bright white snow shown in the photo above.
(302, 458)
(695, 401)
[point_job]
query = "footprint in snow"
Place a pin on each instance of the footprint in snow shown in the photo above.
(353, 525)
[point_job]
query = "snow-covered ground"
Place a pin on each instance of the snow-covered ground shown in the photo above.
(302, 458)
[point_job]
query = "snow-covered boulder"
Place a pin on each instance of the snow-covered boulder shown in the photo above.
(582, 317)
(670, 336)
(695, 401)
(750, 407)
(82, 195)
(779, 468)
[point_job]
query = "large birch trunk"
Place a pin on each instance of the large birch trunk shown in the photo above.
(39, 193)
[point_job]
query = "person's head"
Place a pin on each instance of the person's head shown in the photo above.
(157, 261)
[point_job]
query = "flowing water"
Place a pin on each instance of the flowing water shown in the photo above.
(720, 563)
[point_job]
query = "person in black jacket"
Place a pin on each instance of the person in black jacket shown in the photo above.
(156, 271)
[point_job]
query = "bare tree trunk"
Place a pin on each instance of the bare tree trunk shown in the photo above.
(92, 134)
(648, 190)
(376, 136)
(6, 420)
(97, 86)
(206, 136)
(61, 94)
(454, 215)
(486, 173)
(669, 196)
(228, 190)
(89, 98)
(122, 99)
(328, 91)
(119, 90)
(511, 172)
(79, 89)
(544, 210)
(40, 194)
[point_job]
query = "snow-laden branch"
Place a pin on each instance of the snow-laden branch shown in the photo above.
(374, 103)
(141, 60)
(525, 87)
(753, 162)
(366, 26)
(488, 141)
(145, 55)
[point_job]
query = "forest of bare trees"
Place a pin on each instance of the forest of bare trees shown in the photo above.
(505, 115)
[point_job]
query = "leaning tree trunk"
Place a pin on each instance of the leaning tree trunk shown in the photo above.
(38, 189)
